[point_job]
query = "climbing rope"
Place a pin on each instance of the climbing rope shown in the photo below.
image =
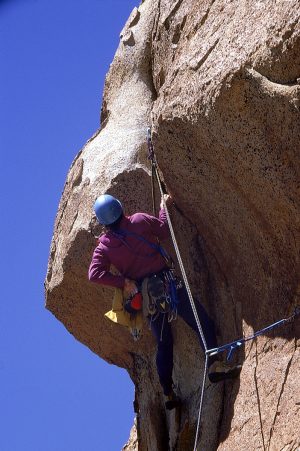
(230, 347)
(182, 269)
(152, 158)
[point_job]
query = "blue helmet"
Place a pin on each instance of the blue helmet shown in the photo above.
(108, 209)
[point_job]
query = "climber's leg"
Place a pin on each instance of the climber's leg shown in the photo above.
(218, 370)
(161, 329)
(207, 324)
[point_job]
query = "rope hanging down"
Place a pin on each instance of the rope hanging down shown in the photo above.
(154, 164)
(230, 347)
(155, 172)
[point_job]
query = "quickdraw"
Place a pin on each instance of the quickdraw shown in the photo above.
(231, 347)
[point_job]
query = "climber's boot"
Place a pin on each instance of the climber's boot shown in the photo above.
(221, 371)
(173, 401)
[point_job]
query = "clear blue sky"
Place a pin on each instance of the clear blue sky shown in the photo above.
(55, 394)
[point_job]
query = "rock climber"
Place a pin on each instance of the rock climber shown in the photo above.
(129, 243)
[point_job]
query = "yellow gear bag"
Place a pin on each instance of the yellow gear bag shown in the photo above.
(118, 315)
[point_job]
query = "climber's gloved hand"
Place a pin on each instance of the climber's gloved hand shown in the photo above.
(168, 200)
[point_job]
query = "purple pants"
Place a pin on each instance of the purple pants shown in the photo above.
(161, 329)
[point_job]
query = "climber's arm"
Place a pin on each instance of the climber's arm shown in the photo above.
(99, 270)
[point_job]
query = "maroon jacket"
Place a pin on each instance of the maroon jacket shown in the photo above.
(133, 258)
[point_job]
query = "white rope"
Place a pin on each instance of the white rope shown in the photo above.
(188, 289)
(182, 269)
(201, 402)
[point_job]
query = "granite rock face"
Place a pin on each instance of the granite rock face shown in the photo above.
(219, 81)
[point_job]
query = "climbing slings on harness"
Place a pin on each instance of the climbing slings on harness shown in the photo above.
(157, 293)
(162, 290)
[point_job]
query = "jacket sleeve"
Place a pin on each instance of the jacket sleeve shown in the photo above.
(99, 270)
(159, 226)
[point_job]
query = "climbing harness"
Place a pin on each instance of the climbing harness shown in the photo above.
(162, 290)
(162, 287)
(230, 347)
